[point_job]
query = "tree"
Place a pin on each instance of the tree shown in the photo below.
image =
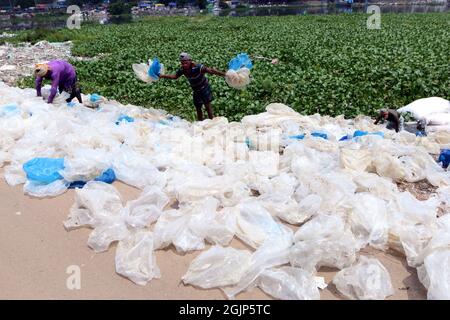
(201, 4)
(118, 8)
(25, 3)
(76, 3)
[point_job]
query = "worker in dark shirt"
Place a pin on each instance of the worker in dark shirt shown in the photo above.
(195, 73)
(393, 118)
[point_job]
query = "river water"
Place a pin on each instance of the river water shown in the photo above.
(26, 24)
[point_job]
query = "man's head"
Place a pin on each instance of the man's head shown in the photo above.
(384, 113)
(185, 60)
(421, 125)
(41, 69)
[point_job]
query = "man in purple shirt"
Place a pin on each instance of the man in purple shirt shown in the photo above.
(63, 77)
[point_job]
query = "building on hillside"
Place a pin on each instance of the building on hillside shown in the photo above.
(60, 4)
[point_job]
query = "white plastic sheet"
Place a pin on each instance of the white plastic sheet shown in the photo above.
(366, 280)
(289, 283)
(135, 258)
(218, 267)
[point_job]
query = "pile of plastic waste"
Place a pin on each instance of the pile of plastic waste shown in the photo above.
(208, 182)
(18, 61)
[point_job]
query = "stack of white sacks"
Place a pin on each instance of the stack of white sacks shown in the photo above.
(434, 112)
(256, 180)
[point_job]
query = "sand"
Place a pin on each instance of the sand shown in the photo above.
(36, 251)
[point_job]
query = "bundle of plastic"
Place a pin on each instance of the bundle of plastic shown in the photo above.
(238, 74)
(423, 108)
(434, 112)
(94, 101)
(148, 72)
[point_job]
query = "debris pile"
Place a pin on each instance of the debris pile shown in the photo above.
(18, 61)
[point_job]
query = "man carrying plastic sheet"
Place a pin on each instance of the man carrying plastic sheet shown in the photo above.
(394, 119)
(195, 73)
(63, 77)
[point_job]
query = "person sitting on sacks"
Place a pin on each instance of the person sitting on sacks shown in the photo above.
(63, 77)
(195, 73)
(394, 119)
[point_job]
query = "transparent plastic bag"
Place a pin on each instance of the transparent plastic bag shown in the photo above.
(433, 274)
(185, 229)
(44, 190)
(289, 283)
(135, 258)
(368, 220)
(272, 253)
(255, 224)
(366, 280)
(98, 205)
(217, 267)
(238, 79)
(148, 72)
(146, 209)
(134, 169)
(323, 241)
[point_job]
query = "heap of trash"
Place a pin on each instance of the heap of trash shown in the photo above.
(211, 181)
(7, 35)
(18, 61)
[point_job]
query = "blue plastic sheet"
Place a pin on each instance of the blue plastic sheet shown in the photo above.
(248, 142)
(242, 60)
(95, 97)
(420, 134)
(107, 176)
(124, 117)
(319, 134)
(44, 170)
(9, 110)
(359, 133)
(444, 158)
(344, 138)
(297, 137)
(155, 69)
(173, 118)
(378, 133)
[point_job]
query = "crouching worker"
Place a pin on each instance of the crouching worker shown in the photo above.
(63, 77)
(195, 73)
(421, 128)
(393, 118)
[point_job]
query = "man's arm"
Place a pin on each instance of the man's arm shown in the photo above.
(169, 76)
(396, 124)
(395, 119)
(54, 89)
(175, 76)
(38, 85)
(213, 71)
(378, 119)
